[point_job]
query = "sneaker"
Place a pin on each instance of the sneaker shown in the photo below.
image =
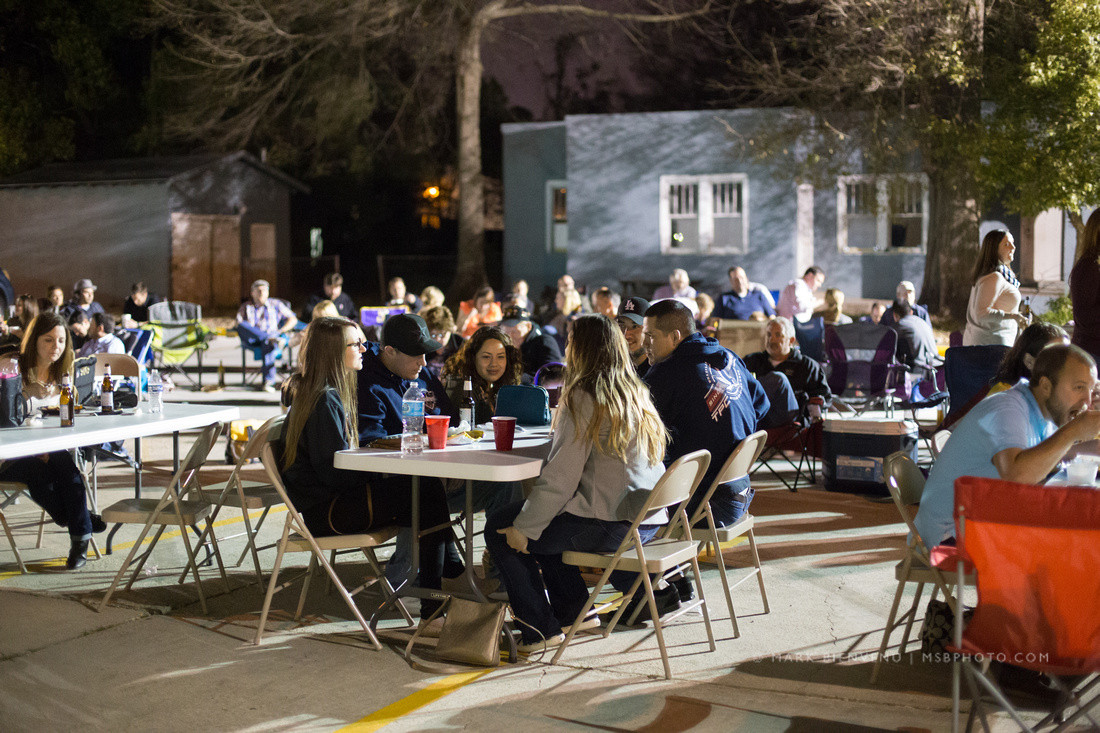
(637, 611)
(78, 555)
(430, 630)
(537, 646)
(591, 621)
(269, 387)
(98, 525)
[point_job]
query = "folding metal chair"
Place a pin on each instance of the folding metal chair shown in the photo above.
(860, 364)
(794, 436)
(1035, 551)
(178, 333)
(176, 507)
(12, 491)
(906, 484)
(736, 466)
(296, 537)
(661, 556)
(248, 496)
(121, 365)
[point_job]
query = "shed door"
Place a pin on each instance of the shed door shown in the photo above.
(206, 260)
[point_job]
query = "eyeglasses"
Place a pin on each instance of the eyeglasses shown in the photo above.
(357, 344)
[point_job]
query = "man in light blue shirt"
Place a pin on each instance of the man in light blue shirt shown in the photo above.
(1017, 435)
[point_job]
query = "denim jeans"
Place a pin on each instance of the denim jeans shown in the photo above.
(263, 347)
(544, 591)
(56, 486)
(729, 502)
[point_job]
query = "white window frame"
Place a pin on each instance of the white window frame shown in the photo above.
(704, 212)
(882, 213)
(552, 187)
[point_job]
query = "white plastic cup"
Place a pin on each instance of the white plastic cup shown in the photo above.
(1081, 471)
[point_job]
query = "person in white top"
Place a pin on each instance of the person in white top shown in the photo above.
(992, 315)
(679, 286)
(797, 301)
(101, 337)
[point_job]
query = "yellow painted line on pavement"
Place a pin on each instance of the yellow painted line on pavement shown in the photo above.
(417, 700)
(60, 562)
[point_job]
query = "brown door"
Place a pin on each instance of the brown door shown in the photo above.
(262, 262)
(206, 260)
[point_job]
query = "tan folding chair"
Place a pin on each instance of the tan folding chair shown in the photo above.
(297, 538)
(939, 440)
(661, 556)
(122, 365)
(736, 466)
(248, 496)
(177, 507)
(906, 484)
(12, 490)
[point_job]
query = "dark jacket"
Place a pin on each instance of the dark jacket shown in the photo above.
(380, 393)
(916, 342)
(344, 306)
(707, 399)
(537, 350)
(312, 481)
(140, 313)
(918, 310)
(806, 376)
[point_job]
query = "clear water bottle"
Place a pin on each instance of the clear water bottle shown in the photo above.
(412, 421)
(156, 392)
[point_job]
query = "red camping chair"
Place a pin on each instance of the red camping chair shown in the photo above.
(1036, 553)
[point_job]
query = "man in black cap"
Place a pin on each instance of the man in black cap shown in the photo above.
(536, 347)
(83, 299)
(388, 370)
(629, 320)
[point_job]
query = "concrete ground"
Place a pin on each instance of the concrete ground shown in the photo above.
(153, 659)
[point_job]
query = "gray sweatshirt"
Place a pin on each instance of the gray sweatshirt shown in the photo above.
(580, 479)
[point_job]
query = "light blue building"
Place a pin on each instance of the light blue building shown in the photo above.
(623, 199)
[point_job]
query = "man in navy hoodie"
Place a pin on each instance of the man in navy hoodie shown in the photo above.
(388, 370)
(706, 398)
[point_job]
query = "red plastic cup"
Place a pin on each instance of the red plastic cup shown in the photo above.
(437, 430)
(504, 432)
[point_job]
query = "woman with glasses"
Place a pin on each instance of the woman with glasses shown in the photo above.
(605, 457)
(323, 419)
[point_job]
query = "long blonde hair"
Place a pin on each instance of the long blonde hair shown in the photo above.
(597, 361)
(323, 368)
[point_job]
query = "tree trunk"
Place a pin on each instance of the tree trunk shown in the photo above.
(470, 272)
(952, 245)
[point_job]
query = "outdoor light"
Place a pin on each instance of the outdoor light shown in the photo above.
(431, 192)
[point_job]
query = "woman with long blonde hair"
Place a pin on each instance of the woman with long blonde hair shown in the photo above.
(323, 419)
(605, 457)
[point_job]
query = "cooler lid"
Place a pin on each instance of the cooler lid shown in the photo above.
(871, 426)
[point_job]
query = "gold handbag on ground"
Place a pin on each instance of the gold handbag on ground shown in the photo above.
(471, 633)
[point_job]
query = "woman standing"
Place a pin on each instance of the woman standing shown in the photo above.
(53, 479)
(322, 420)
(606, 455)
(992, 315)
(1084, 289)
(489, 361)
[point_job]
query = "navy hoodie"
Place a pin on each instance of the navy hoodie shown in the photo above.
(707, 399)
(380, 393)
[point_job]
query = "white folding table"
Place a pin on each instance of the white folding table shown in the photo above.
(90, 428)
(473, 462)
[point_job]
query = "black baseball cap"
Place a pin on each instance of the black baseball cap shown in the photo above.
(634, 308)
(514, 315)
(408, 333)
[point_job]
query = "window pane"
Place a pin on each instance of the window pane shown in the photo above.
(862, 231)
(559, 210)
(683, 199)
(728, 233)
(905, 231)
(727, 199)
(685, 235)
